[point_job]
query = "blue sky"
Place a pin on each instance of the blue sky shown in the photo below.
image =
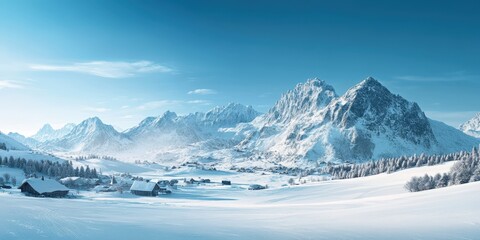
(64, 61)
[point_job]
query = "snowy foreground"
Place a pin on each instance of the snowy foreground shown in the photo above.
(375, 207)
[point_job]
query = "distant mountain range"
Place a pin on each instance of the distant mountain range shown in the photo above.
(308, 124)
(47, 133)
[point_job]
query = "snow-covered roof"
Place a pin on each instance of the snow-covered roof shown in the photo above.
(45, 186)
(143, 186)
(69, 178)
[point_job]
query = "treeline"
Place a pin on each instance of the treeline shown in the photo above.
(389, 165)
(49, 168)
(466, 170)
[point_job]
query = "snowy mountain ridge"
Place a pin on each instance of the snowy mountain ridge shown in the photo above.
(47, 132)
(472, 126)
(155, 135)
(308, 124)
(91, 135)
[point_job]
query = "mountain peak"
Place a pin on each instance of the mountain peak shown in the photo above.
(370, 83)
(317, 82)
(47, 132)
(169, 115)
(91, 122)
(306, 98)
(369, 90)
(94, 119)
(472, 126)
(229, 115)
(370, 79)
(47, 128)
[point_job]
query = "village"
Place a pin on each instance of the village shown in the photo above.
(44, 186)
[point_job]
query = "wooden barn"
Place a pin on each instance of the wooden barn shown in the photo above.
(142, 188)
(40, 187)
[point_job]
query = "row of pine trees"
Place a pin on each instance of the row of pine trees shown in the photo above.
(345, 171)
(466, 170)
(49, 168)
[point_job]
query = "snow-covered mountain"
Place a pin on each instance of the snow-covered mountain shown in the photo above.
(47, 132)
(310, 122)
(218, 117)
(166, 137)
(91, 136)
(472, 126)
(12, 144)
(170, 136)
(305, 99)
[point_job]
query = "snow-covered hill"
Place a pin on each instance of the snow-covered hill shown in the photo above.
(27, 141)
(47, 133)
(12, 144)
(374, 207)
(472, 126)
(367, 122)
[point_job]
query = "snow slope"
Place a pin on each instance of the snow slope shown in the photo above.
(30, 155)
(375, 207)
(112, 166)
(451, 138)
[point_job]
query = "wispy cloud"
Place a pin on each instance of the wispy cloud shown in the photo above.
(10, 84)
(203, 91)
(96, 109)
(107, 69)
(451, 77)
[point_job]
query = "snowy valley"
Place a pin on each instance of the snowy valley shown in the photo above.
(241, 120)
(312, 167)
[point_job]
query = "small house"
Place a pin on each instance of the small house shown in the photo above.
(43, 188)
(142, 188)
(226, 182)
(161, 183)
(256, 187)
